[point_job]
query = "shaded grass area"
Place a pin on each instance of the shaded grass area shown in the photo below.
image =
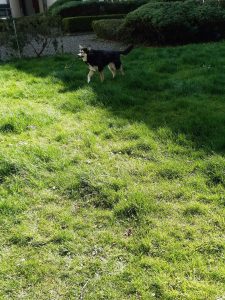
(114, 190)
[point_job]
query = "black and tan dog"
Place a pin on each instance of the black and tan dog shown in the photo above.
(97, 60)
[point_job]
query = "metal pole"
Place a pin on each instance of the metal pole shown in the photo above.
(45, 6)
(17, 41)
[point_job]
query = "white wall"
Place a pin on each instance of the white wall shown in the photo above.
(15, 8)
(50, 2)
(41, 5)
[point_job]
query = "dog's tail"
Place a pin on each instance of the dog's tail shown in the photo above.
(127, 50)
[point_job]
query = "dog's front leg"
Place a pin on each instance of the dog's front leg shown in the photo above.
(112, 69)
(90, 74)
(121, 70)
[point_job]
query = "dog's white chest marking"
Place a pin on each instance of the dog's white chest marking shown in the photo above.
(84, 57)
(93, 68)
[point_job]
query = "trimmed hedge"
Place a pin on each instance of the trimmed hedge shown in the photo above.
(175, 22)
(31, 24)
(107, 29)
(82, 24)
(38, 23)
(94, 8)
(57, 6)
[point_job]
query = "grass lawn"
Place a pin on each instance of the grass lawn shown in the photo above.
(114, 190)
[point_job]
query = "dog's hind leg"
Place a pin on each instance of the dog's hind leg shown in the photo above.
(112, 69)
(90, 74)
(102, 77)
(119, 66)
(121, 70)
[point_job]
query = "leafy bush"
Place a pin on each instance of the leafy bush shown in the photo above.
(2, 25)
(107, 29)
(82, 24)
(175, 22)
(38, 32)
(6, 33)
(94, 8)
(57, 6)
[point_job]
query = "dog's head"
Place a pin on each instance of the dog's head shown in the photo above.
(83, 52)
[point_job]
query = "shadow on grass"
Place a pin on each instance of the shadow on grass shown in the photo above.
(181, 88)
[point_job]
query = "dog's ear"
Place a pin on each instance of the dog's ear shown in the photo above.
(81, 47)
(89, 48)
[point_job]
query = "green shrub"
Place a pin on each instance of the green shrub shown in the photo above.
(60, 5)
(5, 25)
(43, 29)
(57, 6)
(210, 21)
(38, 23)
(2, 25)
(82, 24)
(94, 8)
(107, 29)
(175, 22)
(7, 37)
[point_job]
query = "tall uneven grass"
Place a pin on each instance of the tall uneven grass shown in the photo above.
(114, 190)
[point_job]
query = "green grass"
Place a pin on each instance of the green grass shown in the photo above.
(114, 190)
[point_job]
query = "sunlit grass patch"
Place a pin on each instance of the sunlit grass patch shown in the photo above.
(113, 190)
